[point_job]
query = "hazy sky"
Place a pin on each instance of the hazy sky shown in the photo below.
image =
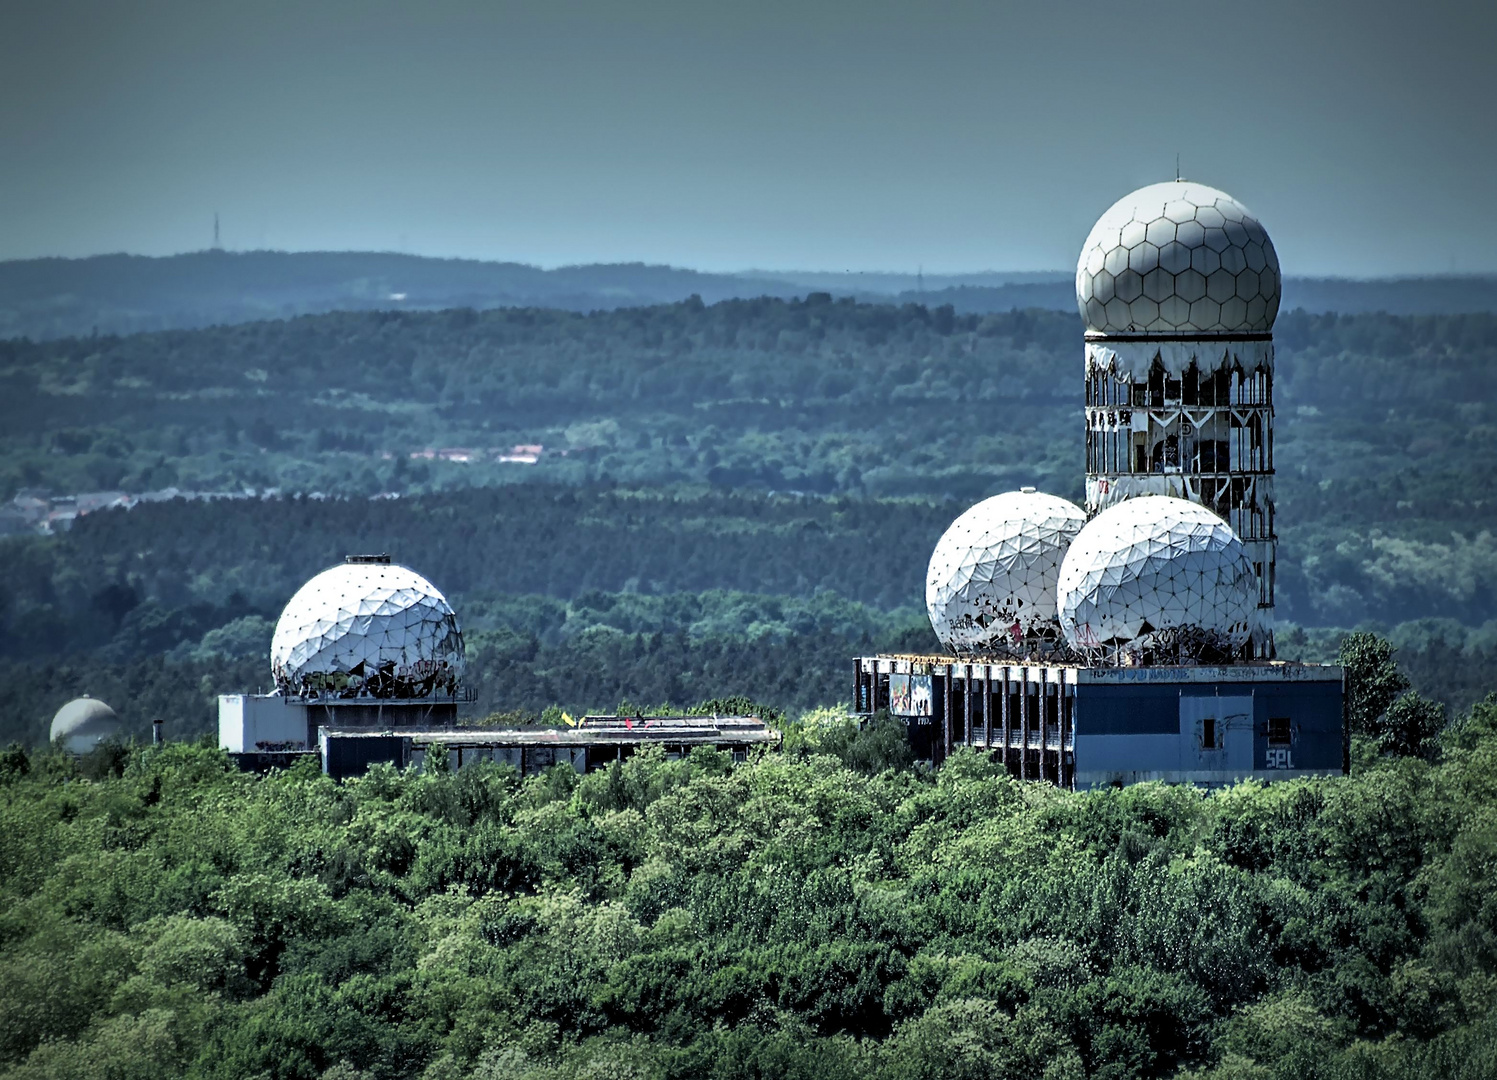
(960, 136)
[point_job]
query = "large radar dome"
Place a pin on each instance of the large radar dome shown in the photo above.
(1178, 258)
(83, 724)
(1161, 573)
(367, 628)
(991, 582)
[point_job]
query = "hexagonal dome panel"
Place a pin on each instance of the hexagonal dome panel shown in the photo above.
(1151, 567)
(367, 630)
(991, 582)
(1168, 229)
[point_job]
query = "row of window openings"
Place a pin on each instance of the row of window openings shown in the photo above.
(1106, 452)
(1224, 387)
(1046, 706)
(1044, 711)
(1280, 733)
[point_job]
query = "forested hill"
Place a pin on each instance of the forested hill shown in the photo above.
(50, 298)
(810, 915)
(1385, 428)
(116, 294)
(796, 459)
(1432, 295)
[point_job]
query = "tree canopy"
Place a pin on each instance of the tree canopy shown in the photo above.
(809, 914)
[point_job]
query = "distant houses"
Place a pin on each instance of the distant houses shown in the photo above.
(40, 512)
(35, 511)
(520, 454)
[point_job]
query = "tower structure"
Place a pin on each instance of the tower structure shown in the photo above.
(1178, 285)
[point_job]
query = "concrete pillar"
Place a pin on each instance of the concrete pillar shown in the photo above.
(1007, 718)
(987, 706)
(946, 714)
(967, 707)
(1024, 711)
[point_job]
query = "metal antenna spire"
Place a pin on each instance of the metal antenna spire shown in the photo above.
(216, 245)
(1177, 167)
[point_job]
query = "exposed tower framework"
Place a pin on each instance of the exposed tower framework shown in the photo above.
(1179, 287)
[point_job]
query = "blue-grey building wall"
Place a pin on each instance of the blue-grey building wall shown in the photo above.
(344, 755)
(1127, 733)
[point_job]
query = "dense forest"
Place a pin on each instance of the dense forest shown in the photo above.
(822, 912)
(733, 500)
(1381, 419)
(800, 458)
(571, 596)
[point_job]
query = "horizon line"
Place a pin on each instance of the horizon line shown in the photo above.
(747, 272)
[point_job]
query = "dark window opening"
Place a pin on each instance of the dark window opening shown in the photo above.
(1279, 732)
(1213, 456)
(1208, 733)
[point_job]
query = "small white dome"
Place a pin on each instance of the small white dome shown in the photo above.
(1178, 258)
(1152, 568)
(83, 724)
(367, 629)
(991, 581)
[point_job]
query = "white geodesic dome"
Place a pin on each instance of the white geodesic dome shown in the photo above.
(367, 629)
(1178, 258)
(1154, 568)
(991, 581)
(83, 724)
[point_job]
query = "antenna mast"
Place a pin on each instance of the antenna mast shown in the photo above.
(216, 245)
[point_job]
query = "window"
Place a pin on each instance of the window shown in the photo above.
(1279, 733)
(1208, 733)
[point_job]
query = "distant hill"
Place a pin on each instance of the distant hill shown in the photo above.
(122, 294)
(848, 283)
(1450, 295)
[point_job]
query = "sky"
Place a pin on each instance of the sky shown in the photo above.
(953, 136)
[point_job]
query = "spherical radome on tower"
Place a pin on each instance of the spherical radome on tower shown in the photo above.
(1154, 571)
(83, 724)
(367, 629)
(1178, 258)
(991, 580)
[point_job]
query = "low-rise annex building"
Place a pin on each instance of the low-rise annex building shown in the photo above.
(1080, 726)
(368, 664)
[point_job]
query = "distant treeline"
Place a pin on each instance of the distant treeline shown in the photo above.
(123, 294)
(1385, 423)
(1453, 294)
(561, 541)
(773, 448)
(574, 597)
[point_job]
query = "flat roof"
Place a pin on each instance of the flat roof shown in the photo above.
(1268, 671)
(592, 731)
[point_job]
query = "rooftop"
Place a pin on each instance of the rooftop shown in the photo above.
(591, 731)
